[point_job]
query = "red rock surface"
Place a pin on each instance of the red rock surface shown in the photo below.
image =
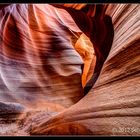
(40, 69)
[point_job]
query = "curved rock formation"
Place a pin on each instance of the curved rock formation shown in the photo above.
(112, 107)
(37, 48)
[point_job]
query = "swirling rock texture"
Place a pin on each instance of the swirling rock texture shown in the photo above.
(41, 76)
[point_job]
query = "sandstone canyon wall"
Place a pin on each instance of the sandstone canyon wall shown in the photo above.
(112, 107)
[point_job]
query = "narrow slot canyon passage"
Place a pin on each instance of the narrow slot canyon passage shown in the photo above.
(69, 69)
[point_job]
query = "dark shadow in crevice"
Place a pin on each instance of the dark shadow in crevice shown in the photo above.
(102, 38)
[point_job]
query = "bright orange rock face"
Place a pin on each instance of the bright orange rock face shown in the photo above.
(86, 50)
